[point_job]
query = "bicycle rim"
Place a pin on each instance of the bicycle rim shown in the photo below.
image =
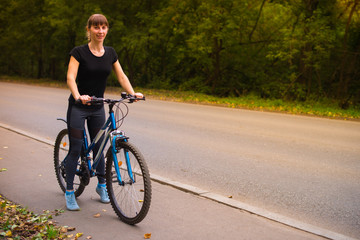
(130, 200)
(61, 150)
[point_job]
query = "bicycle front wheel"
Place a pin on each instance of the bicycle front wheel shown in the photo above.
(61, 150)
(131, 197)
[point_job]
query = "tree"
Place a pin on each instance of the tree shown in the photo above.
(349, 60)
(296, 49)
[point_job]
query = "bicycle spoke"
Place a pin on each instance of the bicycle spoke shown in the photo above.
(130, 200)
(61, 150)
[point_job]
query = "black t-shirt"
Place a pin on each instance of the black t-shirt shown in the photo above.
(93, 71)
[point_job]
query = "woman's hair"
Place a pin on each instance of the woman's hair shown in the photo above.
(96, 20)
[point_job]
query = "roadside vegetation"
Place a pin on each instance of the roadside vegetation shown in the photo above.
(18, 223)
(320, 108)
(272, 55)
(328, 108)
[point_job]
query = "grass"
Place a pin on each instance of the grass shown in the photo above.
(324, 108)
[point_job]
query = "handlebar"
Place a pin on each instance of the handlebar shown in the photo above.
(124, 96)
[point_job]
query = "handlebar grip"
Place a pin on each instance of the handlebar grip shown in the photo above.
(96, 100)
(134, 98)
(143, 98)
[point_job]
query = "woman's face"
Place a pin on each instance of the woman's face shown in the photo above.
(98, 32)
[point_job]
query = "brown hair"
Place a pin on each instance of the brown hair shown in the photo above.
(96, 20)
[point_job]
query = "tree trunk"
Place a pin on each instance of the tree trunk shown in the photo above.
(344, 79)
(40, 62)
(257, 20)
(216, 75)
(306, 70)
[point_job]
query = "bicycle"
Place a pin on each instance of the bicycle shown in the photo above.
(127, 176)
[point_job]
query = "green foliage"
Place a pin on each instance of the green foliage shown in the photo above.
(289, 50)
(323, 107)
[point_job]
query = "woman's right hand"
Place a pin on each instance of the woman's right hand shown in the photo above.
(84, 99)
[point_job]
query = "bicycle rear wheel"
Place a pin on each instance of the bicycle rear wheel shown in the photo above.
(61, 150)
(130, 200)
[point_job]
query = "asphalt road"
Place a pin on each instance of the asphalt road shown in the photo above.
(176, 215)
(302, 167)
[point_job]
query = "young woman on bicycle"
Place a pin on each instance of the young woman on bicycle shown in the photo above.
(89, 67)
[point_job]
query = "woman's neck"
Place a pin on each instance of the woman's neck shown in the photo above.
(96, 48)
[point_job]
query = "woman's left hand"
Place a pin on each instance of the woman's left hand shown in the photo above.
(139, 95)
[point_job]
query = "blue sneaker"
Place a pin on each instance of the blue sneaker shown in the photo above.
(71, 203)
(101, 190)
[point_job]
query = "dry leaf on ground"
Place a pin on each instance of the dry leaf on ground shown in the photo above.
(78, 235)
(71, 229)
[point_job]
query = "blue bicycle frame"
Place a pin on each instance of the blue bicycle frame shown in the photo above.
(108, 131)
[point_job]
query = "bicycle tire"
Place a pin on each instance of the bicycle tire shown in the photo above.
(61, 150)
(131, 201)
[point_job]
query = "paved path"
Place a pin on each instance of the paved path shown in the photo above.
(30, 181)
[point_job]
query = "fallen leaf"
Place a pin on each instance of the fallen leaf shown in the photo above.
(20, 222)
(97, 215)
(78, 235)
(104, 210)
(147, 235)
(3, 169)
(8, 234)
(71, 229)
(229, 196)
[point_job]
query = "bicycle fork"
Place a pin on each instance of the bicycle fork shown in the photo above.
(119, 136)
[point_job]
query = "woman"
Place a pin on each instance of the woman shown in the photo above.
(89, 68)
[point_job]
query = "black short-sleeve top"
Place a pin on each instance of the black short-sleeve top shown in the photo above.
(93, 71)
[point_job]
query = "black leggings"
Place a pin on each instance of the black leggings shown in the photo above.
(76, 117)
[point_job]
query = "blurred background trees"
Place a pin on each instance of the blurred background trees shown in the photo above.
(293, 50)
